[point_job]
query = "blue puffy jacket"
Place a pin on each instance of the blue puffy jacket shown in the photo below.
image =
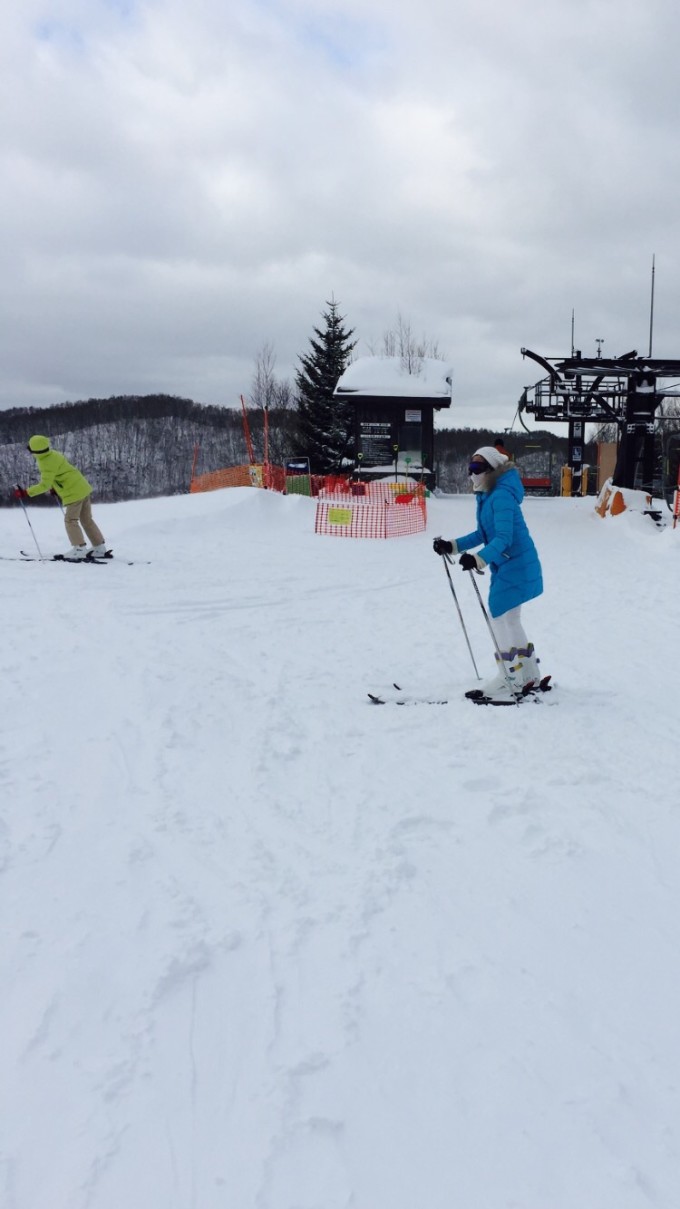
(507, 545)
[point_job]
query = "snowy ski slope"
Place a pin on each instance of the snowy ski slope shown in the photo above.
(266, 946)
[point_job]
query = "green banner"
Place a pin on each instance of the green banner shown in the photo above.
(339, 516)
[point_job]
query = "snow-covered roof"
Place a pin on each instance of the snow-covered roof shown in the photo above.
(387, 377)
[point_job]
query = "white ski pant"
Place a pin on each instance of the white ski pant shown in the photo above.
(510, 634)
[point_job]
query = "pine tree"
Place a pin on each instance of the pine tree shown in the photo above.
(325, 426)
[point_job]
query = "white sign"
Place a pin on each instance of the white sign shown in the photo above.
(413, 417)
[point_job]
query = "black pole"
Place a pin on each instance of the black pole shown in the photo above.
(446, 560)
(28, 519)
(651, 308)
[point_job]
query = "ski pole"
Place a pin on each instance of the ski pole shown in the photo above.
(446, 560)
(40, 553)
(487, 619)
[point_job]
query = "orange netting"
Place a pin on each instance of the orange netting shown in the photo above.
(334, 484)
(345, 508)
(233, 476)
(403, 490)
(410, 516)
(347, 516)
(381, 489)
(273, 477)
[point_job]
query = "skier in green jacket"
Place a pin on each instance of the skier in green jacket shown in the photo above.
(64, 480)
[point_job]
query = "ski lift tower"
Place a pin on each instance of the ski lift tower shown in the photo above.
(626, 391)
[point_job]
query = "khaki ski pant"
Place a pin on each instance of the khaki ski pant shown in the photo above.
(79, 514)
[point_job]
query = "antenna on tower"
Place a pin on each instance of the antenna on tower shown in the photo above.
(572, 332)
(651, 308)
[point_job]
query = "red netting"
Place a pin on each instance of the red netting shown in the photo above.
(407, 517)
(348, 516)
(334, 484)
(382, 489)
(272, 477)
(344, 508)
(232, 476)
(389, 489)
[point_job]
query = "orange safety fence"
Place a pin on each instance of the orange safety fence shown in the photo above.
(385, 508)
(402, 518)
(272, 477)
(334, 484)
(401, 489)
(347, 516)
(232, 476)
(380, 489)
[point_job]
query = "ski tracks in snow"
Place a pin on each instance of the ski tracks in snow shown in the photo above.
(278, 948)
(333, 865)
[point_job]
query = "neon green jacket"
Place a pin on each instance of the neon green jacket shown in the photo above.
(70, 485)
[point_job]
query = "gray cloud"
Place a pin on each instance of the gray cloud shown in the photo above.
(183, 184)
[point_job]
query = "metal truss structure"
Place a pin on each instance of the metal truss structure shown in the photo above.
(626, 391)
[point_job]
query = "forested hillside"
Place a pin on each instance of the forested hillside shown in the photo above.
(136, 447)
(539, 454)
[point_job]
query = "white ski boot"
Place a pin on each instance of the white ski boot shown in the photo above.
(503, 689)
(530, 676)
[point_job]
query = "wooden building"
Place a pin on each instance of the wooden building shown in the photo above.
(394, 414)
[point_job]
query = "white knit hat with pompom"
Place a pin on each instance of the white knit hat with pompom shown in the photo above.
(493, 456)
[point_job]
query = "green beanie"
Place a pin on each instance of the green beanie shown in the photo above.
(39, 445)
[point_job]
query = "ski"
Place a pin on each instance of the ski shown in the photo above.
(491, 701)
(24, 556)
(56, 558)
(399, 697)
(137, 562)
(532, 692)
(402, 698)
(52, 558)
(61, 558)
(407, 700)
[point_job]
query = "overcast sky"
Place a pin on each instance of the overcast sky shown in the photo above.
(183, 183)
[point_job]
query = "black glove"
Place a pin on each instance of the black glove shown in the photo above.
(468, 562)
(441, 546)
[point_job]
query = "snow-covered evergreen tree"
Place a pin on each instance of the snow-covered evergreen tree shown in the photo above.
(325, 426)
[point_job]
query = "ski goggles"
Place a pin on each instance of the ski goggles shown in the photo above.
(478, 466)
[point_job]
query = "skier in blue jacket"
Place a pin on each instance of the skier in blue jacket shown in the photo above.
(508, 550)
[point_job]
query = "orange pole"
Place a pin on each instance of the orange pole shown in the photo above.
(246, 429)
(193, 465)
(266, 447)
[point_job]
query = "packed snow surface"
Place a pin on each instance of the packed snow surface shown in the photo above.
(267, 946)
